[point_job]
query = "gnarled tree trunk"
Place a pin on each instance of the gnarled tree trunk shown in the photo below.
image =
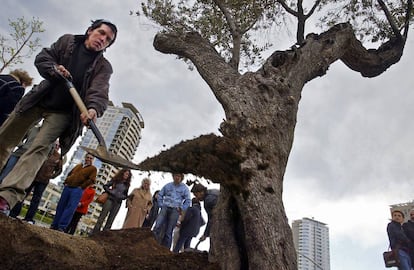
(250, 229)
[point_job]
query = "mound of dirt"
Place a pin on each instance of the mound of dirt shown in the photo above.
(26, 246)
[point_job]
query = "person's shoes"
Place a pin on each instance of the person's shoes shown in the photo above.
(61, 230)
(4, 207)
(30, 222)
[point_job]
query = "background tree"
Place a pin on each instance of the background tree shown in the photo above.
(22, 42)
(250, 229)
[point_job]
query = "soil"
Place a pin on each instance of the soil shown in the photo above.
(26, 246)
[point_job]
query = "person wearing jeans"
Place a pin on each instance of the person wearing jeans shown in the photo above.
(173, 198)
(117, 188)
(81, 176)
(21, 148)
(38, 189)
(51, 168)
(398, 240)
(82, 209)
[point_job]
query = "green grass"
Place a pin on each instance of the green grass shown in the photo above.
(38, 216)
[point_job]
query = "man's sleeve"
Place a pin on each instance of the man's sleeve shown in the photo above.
(161, 197)
(50, 57)
(187, 198)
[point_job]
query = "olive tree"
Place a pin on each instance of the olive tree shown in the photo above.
(222, 40)
(22, 42)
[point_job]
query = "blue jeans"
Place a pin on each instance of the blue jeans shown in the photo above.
(405, 261)
(166, 220)
(182, 241)
(8, 167)
(66, 207)
(38, 189)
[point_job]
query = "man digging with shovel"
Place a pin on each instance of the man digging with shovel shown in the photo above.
(80, 58)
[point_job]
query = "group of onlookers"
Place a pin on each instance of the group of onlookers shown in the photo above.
(170, 211)
(173, 215)
(401, 237)
(45, 123)
(180, 214)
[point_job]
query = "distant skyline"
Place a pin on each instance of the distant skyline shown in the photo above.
(353, 150)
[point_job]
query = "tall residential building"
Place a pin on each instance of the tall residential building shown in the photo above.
(311, 239)
(121, 129)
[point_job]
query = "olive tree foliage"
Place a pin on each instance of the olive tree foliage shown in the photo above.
(221, 38)
(21, 43)
(227, 25)
(230, 26)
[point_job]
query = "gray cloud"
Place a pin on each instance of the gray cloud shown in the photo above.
(353, 139)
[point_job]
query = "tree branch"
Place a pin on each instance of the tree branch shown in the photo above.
(390, 19)
(211, 66)
(235, 33)
(315, 5)
(319, 51)
(287, 8)
(407, 18)
(371, 62)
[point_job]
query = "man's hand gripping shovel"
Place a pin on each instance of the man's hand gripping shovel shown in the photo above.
(101, 151)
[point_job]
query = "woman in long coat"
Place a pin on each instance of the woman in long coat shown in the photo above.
(139, 204)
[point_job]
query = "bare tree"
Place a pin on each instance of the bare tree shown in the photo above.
(22, 42)
(250, 229)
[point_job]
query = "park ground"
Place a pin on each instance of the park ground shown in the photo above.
(26, 246)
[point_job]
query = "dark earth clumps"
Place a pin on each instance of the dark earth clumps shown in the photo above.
(26, 246)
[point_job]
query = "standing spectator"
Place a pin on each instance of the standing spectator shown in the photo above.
(21, 148)
(190, 226)
(399, 242)
(83, 205)
(139, 204)
(117, 189)
(81, 176)
(51, 168)
(152, 215)
(79, 57)
(173, 198)
(12, 88)
(210, 197)
(408, 228)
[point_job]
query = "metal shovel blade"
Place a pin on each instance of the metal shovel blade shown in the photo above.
(101, 153)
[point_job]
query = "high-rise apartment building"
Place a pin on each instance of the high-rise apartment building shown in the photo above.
(121, 129)
(311, 239)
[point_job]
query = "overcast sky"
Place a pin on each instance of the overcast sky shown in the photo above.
(353, 149)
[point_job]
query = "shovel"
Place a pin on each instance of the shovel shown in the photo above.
(101, 151)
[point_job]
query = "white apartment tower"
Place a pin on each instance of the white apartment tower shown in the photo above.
(311, 239)
(121, 129)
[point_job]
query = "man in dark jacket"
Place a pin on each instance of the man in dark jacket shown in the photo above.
(80, 58)
(210, 197)
(50, 169)
(408, 228)
(11, 91)
(399, 242)
(190, 226)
